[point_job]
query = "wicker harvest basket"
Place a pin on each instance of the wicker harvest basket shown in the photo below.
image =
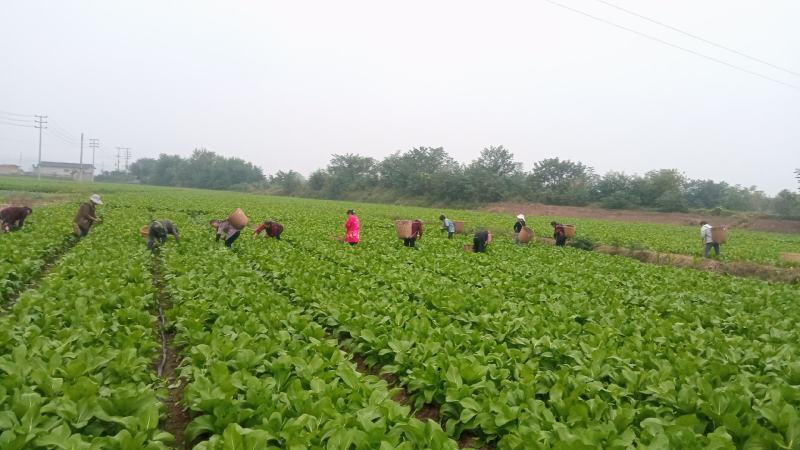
(403, 229)
(525, 235)
(238, 219)
(719, 235)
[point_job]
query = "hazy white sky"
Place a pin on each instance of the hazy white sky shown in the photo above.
(286, 84)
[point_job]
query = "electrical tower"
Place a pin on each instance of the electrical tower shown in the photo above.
(93, 144)
(123, 152)
(41, 123)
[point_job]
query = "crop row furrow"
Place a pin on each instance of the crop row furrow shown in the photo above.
(258, 369)
(415, 343)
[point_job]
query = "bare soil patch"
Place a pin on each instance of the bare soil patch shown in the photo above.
(735, 268)
(741, 221)
(166, 366)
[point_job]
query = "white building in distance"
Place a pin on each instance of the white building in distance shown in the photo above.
(64, 170)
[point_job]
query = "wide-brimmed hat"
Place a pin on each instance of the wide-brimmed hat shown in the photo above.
(521, 217)
(96, 199)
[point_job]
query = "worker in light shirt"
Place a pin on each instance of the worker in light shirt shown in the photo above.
(707, 239)
(448, 225)
(224, 228)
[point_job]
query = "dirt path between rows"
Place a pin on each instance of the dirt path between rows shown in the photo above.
(740, 220)
(168, 361)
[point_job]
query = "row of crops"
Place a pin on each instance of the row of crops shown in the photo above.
(522, 347)
(744, 245)
(76, 352)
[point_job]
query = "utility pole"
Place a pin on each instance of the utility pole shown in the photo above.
(126, 155)
(80, 168)
(41, 123)
(93, 144)
(119, 149)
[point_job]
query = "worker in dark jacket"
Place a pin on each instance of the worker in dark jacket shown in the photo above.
(518, 226)
(159, 229)
(87, 215)
(559, 233)
(224, 228)
(273, 230)
(481, 240)
(13, 217)
(416, 233)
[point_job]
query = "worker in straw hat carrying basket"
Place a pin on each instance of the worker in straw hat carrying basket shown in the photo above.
(518, 226)
(87, 215)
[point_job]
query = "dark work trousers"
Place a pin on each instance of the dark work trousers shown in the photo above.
(230, 240)
(707, 249)
(409, 242)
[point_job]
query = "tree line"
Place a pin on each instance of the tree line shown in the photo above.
(429, 175)
(204, 169)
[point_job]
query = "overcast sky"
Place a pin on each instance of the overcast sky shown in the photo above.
(286, 84)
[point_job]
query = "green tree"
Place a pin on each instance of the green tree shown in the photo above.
(559, 181)
(287, 183)
(616, 190)
(787, 203)
(418, 171)
(144, 169)
(351, 172)
(494, 175)
(663, 189)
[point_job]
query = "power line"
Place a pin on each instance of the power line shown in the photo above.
(61, 134)
(13, 119)
(9, 113)
(53, 133)
(13, 124)
(699, 38)
(669, 44)
(55, 124)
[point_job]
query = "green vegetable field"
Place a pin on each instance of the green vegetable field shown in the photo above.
(308, 343)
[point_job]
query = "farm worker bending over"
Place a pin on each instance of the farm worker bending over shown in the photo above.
(708, 240)
(87, 215)
(273, 230)
(224, 228)
(559, 233)
(351, 228)
(481, 240)
(416, 233)
(159, 229)
(13, 217)
(448, 225)
(518, 226)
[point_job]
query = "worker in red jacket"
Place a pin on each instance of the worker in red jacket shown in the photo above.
(273, 230)
(13, 217)
(416, 233)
